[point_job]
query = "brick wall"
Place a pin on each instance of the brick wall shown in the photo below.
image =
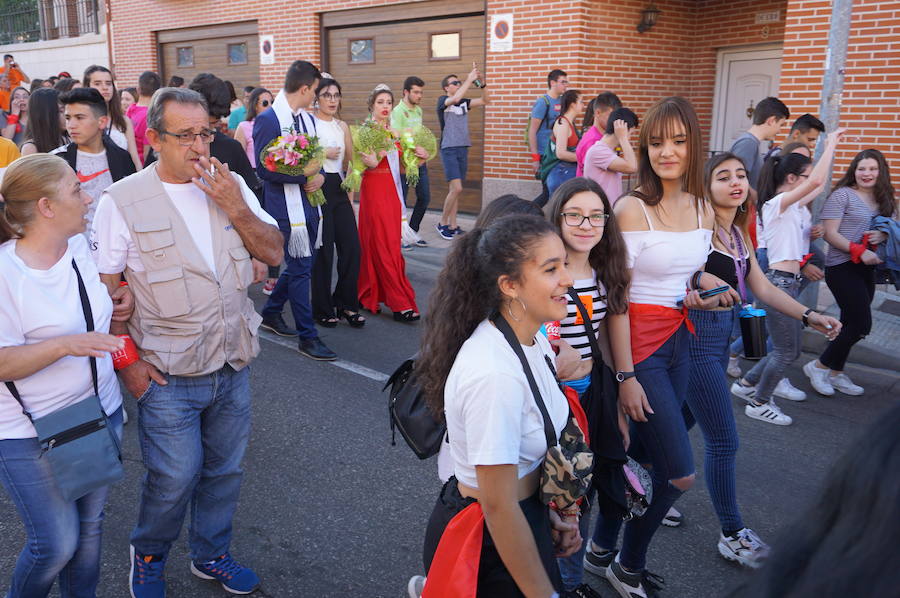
(598, 45)
(870, 106)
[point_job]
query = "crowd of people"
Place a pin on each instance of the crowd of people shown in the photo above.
(601, 319)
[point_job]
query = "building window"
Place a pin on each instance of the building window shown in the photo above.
(362, 51)
(444, 46)
(185, 56)
(237, 53)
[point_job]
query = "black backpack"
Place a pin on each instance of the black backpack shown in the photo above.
(410, 414)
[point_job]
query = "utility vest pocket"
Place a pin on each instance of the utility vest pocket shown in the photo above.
(175, 344)
(169, 291)
(243, 266)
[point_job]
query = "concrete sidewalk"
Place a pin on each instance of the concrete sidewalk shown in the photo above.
(880, 349)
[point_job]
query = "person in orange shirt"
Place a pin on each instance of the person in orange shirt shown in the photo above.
(4, 92)
(15, 73)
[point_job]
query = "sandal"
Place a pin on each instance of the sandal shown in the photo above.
(408, 315)
(355, 319)
(328, 322)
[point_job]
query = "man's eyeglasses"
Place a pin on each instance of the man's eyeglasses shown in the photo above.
(330, 96)
(449, 83)
(265, 103)
(187, 139)
(575, 219)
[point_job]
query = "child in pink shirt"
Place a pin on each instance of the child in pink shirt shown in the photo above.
(601, 162)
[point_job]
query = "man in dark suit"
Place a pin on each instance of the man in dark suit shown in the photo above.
(94, 157)
(286, 200)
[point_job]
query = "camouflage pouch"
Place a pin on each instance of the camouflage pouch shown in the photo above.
(566, 474)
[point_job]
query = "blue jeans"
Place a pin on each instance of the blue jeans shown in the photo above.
(709, 401)
(562, 172)
(784, 332)
(423, 197)
(294, 285)
(193, 433)
(664, 377)
(62, 537)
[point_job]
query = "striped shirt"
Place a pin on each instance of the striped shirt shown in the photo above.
(855, 215)
(571, 328)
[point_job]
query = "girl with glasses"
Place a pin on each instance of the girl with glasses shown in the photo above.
(596, 258)
(338, 220)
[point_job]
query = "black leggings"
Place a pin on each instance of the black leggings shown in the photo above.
(494, 580)
(853, 287)
(338, 231)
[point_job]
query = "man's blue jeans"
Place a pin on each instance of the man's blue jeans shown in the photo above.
(62, 536)
(293, 285)
(193, 433)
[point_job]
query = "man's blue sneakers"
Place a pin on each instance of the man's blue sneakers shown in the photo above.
(234, 577)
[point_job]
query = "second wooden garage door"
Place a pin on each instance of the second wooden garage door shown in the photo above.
(399, 50)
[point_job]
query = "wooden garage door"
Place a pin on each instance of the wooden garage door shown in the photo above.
(229, 51)
(401, 49)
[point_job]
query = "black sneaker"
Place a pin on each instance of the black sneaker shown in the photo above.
(582, 591)
(277, 325)
(314, 348)
(597, 562)
(640, 584)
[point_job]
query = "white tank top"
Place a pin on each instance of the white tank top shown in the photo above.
(331, 135)
(662, 261)
(118, 137)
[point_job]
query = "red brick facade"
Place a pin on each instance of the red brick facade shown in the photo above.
(598, 45)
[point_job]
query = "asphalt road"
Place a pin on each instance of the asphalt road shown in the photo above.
(330, 509)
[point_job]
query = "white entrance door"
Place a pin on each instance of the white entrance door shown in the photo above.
(744, 77)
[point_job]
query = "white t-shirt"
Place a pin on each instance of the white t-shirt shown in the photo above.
(37, 305)
(93, 172)
(786, 233)
(113, 247)
(492, 417)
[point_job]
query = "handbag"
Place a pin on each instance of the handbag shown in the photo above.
(82, 449)
(638, 488)
(566, 473)
(410, 414)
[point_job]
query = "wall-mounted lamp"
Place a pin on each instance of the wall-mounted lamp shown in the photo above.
(648, 18)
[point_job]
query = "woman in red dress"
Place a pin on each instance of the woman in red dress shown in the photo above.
(382, 272)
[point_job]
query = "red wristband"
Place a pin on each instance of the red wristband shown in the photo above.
(125, 357)
(536, 157)
(12, 119)
(856, 251)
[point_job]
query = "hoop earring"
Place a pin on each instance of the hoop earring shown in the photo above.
(509, 309)
(742, 208)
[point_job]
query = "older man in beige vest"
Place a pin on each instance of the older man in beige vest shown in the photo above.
(183, 232)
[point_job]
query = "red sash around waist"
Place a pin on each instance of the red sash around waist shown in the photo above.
(652, 326)
(454, 569)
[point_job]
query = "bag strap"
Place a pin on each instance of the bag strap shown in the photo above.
(504, 327)
(89, 324)
(588, 325)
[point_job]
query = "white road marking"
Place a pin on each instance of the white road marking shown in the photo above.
(291, 343)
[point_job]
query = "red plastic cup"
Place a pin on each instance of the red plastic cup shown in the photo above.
(126, 356)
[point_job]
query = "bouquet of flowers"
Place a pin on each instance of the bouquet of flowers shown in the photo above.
(368, 138)
(422, 137)
(296, 154)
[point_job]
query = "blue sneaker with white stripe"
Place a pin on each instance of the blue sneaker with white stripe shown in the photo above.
(234, 577)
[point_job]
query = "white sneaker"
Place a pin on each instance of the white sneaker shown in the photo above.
(786, 390)
(843, 383)
(819, 378)
(673, 518)
(734, 367)
(416, 586)
(743, 392)
(768, 412)
(745, 547)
